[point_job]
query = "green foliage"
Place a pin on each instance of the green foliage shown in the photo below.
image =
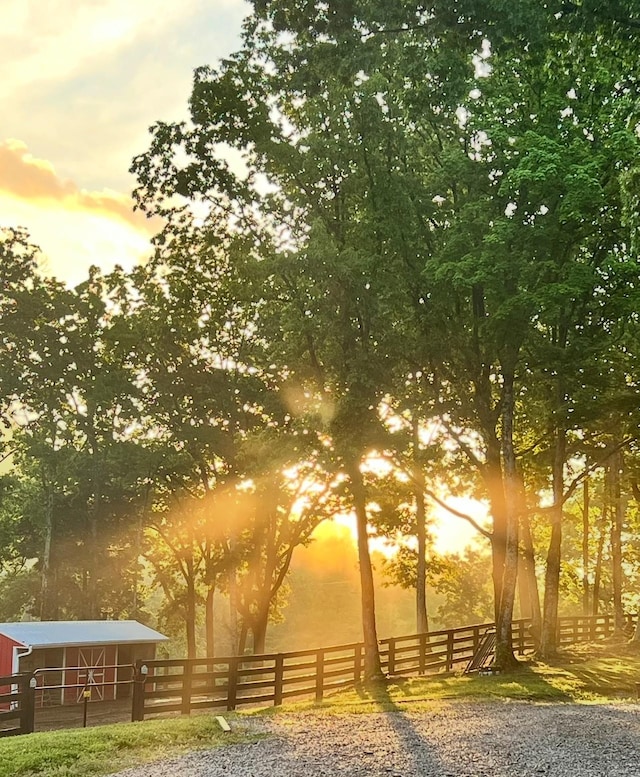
(430, 223)
(18, 591)
(460, 583)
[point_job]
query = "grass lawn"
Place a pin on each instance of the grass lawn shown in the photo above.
(584, 674)
(104, 750)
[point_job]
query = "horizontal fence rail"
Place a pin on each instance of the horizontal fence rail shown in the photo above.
(590, 628)
(17, 704)
(181, 685)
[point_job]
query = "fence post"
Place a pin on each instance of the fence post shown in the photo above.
(449, 665)
(391, 659)
(319, 675)
(422, 658)
(278, 681)
(27, 690)
(232, 683)
(521, 637)
(187, 671)
(140, 672)
(357, 663)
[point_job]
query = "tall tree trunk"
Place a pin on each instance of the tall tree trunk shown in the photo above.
(422, 616)
(548, 642)
(232, 581)
(372, 667)
(585, 546)
(528, 578)
(209, 614)
(241, 646)
(140, 523)
(259, 632)
(190, 614)
(504, 657)
(636, 495)
(46, 608)
(93, 514)
(597, 575)
(494, 483)
(617, 514)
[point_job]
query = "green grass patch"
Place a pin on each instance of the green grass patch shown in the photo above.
(104, 750)
(588, 674)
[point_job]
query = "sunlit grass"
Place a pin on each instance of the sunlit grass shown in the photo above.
(587, 674)
(571, 678)
(104, 750)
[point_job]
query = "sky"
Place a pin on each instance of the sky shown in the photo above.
(81, 82)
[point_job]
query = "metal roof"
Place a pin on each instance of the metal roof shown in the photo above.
(39, 634)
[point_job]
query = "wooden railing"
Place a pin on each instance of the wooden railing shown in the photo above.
(17, 704)
(590, 628)
(182, 685)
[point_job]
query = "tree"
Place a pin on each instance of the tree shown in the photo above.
(281, 514)
(415, 201)
(333, 370)
(68, 400)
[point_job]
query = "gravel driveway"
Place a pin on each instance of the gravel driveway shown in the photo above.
(462, 739)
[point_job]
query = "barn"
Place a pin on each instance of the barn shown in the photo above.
(69, 655)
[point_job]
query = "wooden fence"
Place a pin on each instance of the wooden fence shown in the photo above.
(182, 685)
(591, 628)
(17, 704)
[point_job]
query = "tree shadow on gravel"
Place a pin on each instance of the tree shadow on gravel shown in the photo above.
(417, 756)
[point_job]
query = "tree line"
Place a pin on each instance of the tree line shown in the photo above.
(399, 261)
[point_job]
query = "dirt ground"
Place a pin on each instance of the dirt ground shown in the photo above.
(71, 715)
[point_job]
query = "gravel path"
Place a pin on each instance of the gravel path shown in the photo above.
(463, 739)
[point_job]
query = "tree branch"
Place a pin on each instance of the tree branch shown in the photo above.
(395, 30)
(465, 447)
(595, 465)
(408, 470)
(465, 517)
(6, 455)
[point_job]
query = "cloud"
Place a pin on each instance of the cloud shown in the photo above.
(82, 81)
(26, 177)
(73, 239)
(63, 37)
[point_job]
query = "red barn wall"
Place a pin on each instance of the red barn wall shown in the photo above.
(6, 666)
(6, 655)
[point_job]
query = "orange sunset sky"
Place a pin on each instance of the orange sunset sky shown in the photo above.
(81, 81)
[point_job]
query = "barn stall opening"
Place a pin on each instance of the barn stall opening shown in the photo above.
(68, 657)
